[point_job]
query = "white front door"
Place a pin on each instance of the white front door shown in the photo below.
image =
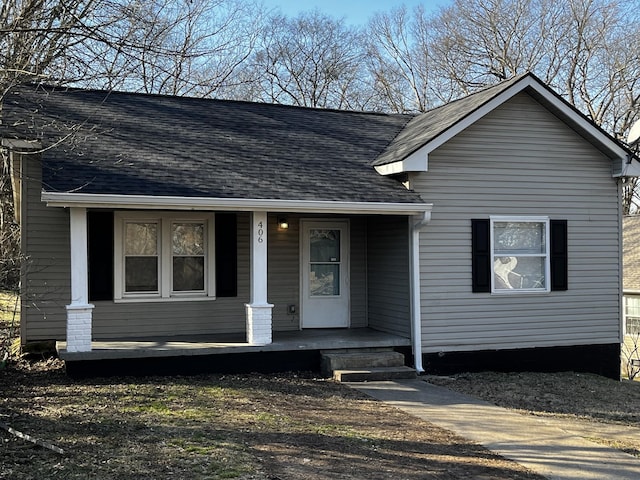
(325, 274)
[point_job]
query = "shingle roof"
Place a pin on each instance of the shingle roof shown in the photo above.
(631, 252)
(426, 127)
(136, 144)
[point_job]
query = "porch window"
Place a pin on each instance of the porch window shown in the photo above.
(520, 254)
(165, 256)
(141, 249)
(188, 256)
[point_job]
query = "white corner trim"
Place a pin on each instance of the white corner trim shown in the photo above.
(147, 202)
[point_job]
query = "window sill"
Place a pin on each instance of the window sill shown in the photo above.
(163, 299)
(503, 293)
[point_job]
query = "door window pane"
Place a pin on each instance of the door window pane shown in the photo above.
(324, 245)
(324, 280)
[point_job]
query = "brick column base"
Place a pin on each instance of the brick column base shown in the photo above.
(259, 324)
(79, 328)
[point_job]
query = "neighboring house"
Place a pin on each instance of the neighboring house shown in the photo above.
(631, 288)
(631, 279)
(486, 229)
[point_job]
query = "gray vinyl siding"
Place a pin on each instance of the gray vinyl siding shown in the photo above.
(519, 160)
(388, 275)
(46, 269)
(284, 273)
(358, 272)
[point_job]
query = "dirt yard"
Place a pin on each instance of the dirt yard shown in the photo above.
(247, 427)
(274, 427)
(271, 427)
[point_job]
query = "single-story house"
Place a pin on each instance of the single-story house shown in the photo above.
(485, 231)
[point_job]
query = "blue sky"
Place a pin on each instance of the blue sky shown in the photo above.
(355, 12)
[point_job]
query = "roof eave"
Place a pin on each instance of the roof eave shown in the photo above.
(145, 202)
(19, 145)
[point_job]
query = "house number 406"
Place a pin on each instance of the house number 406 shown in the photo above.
(260, 232)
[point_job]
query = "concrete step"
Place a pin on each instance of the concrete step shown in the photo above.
(358, 360)
(374, 374)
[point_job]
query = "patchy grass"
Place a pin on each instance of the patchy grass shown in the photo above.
(9, 323)
(212, 426)
(9, 309)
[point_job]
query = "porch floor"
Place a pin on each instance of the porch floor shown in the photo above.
(299, 340)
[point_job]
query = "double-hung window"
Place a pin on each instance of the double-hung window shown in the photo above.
(632, 314)
(164, 256)
(520, 257)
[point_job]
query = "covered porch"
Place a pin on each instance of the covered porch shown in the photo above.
(277, 285)
(302, 350)
(200, 345)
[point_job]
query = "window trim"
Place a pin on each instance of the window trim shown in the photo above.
(547, 255)
(165, 221)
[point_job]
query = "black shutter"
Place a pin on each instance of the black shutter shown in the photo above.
(100, 255)
(226, 255)
(559, 256)
(480, 256)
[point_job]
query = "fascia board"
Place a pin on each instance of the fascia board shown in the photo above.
(18, 144)
(418, 161)
(143, 202)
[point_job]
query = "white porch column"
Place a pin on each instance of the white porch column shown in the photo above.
(259, 311)
(79, 312)
(416, 315)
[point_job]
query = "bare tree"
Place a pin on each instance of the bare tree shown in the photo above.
(399, 60)
(184, 47)
(35, 37)
(584, 49)
(312, 60)
(161, 46)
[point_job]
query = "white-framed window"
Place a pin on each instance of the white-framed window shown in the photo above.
(164, 256)
(632, 314)
(520, 256)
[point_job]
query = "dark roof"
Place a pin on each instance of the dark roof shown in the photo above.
(631, 252)
(426, 127)
(135, 144)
